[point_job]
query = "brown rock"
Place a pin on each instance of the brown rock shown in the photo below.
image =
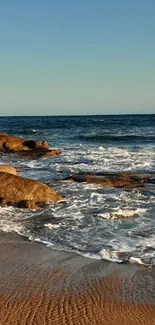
(26, 148)
(28, 204)
(41, 145)
(8, 169)
(39, 153)
(12, 144)
(3, 139)
(53, 152)
(3, 134)
(120, 180)
(35, 145)
(14, 189)
(104, 181)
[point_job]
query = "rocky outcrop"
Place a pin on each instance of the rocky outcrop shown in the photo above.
(25, 148)
(120, 180)
(8, 169)
(25, 192)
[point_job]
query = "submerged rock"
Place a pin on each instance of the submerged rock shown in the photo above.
(39, 153)
(15, 189)
(119, 180)
(24, 147)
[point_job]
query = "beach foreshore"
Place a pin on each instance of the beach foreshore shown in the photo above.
(40, 285)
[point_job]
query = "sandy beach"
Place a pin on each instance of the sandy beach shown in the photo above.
(39, 285)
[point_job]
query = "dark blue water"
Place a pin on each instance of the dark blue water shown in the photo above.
(83, 223)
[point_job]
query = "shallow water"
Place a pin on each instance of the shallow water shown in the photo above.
(86, 222)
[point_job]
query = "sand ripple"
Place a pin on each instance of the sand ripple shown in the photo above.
(42, 286)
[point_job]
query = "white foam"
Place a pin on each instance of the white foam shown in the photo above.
(11, 227)
(88, 255)
(31, 164)
(39, 240)
(147, 242)
(105, 215)
(4, 210)
(125, 213)
(120, 152)
(112, 256)
(129, 212)
(52, 226)
(94, 196)
(135, 260)
(101, 148)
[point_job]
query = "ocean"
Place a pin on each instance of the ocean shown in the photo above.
(83, 223)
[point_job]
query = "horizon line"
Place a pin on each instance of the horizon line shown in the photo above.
(76, 115)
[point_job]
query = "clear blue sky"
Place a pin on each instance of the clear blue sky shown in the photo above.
(77, 57)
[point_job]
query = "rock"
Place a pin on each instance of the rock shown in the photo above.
(14, 189)
(3, 134)
(120, 180)
(3, 139)
(52, 152)
(26, 148)
(104, 181)
(13, 144)
(28, 204)
(8, 169)
(39, 153)
(35, 145)
(41, 145)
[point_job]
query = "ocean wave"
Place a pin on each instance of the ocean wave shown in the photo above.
(117, 138)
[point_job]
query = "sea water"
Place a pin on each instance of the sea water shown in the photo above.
(86, 222)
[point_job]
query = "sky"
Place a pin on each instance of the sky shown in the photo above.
(68, 57)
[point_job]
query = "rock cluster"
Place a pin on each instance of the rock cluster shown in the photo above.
(30, 193)
(24, 147)
(19, 191)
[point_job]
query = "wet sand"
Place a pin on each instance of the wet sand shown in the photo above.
(39, 285)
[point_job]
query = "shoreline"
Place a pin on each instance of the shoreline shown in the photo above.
(40, 285)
